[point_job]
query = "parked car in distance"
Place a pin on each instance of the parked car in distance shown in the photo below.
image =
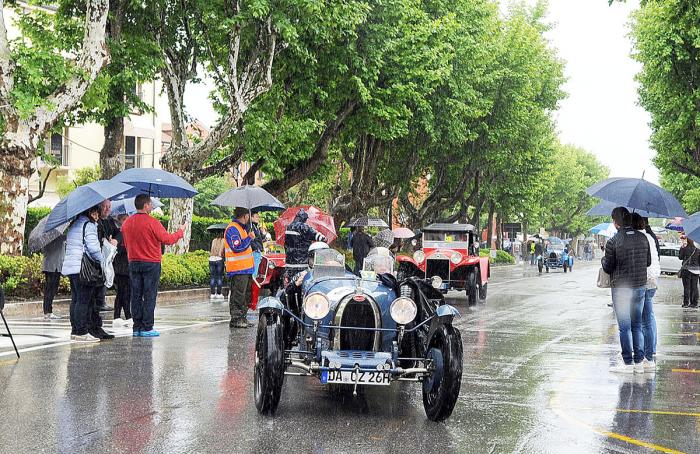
(668, 258)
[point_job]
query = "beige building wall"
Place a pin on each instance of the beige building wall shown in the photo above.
(79, 146)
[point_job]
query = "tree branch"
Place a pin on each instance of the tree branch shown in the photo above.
(93, 56)
(42, 186)
(296, 173)
(249, 177)
(220, 166)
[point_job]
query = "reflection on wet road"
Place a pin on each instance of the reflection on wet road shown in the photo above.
(536, 380)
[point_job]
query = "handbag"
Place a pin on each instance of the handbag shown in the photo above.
(685, 263)
(603, 279)
(90, 270)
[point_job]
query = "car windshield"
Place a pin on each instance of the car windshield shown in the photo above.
(446, 237)
(379, 261)
(328, 263)
(555, 244)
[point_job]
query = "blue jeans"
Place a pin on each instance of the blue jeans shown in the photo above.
(216, 273)
(257, 258)
(145, 277)
(649, 324)
(629, 305)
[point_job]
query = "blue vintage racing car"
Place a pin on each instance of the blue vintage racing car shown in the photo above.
(350, 331)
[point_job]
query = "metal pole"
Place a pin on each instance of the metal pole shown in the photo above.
(9, 333)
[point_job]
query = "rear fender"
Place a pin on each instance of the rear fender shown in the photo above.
(485, 268)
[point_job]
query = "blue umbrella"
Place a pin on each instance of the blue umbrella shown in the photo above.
(638, 194)
(691, 226)
(127, 206)
(157, 183)
(82, 198)
(600, 228)
(605, 209)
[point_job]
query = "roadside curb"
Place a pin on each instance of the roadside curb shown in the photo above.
(165, 298)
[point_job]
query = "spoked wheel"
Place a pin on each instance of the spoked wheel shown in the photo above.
(471, 287)
(268, 374)
(441, 389)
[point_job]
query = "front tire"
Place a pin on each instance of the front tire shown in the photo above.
(471, 287)
(268, 374)
(441, 389)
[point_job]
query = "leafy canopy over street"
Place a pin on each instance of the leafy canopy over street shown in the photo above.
(443, 109)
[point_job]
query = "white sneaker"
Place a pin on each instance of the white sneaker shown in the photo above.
(129, 323)
(51, 316)
(220, 297)
(87, 338)
(649, 366)
(118, 323)
(639, 368)
(623, 369)
(212, 297)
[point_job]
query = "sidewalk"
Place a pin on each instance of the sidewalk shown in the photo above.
(165, 297)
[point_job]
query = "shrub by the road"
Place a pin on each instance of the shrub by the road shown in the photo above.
(502, 257)
(21, 277)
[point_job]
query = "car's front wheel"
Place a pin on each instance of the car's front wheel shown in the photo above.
(441, 389)
(471, 287)
(268, 374)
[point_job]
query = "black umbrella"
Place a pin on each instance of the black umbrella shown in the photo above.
(39, 239)
(605, 208)
(638, 194)
(366, 221)
(250, 197)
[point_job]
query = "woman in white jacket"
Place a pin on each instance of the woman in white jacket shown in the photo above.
(653, 273)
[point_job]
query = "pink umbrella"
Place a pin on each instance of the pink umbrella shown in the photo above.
(403, 232)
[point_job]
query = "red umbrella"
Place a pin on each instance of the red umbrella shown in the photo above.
(319, 220)
(403, 232)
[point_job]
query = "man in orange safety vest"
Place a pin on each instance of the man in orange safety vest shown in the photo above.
(239, 266)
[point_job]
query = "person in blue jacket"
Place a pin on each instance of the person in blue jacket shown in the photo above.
(81, 238)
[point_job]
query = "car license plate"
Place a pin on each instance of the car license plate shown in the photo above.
(349, 377)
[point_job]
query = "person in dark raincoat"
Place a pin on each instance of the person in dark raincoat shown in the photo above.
(361, 244)
(297, 239)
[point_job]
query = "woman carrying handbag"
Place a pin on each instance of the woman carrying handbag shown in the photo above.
(690, 269)
(82, 266)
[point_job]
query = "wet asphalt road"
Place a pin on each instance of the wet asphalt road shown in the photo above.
(536, 379)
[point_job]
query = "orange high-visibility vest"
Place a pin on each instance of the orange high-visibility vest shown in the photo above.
(239, 262)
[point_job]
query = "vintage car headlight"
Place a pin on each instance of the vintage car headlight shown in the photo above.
(316, 306)
(456, 258)
(403, 310)
(419, 256)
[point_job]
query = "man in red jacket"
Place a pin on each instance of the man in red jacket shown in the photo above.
(143, 236)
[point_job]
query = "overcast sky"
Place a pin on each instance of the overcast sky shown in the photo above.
(600, 113)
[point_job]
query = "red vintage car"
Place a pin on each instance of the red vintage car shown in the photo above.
(271, 269)
(451, 252)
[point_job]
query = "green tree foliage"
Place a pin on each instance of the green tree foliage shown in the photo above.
(82, 176)
(666, 36)
(563, 201)
(209, 188)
